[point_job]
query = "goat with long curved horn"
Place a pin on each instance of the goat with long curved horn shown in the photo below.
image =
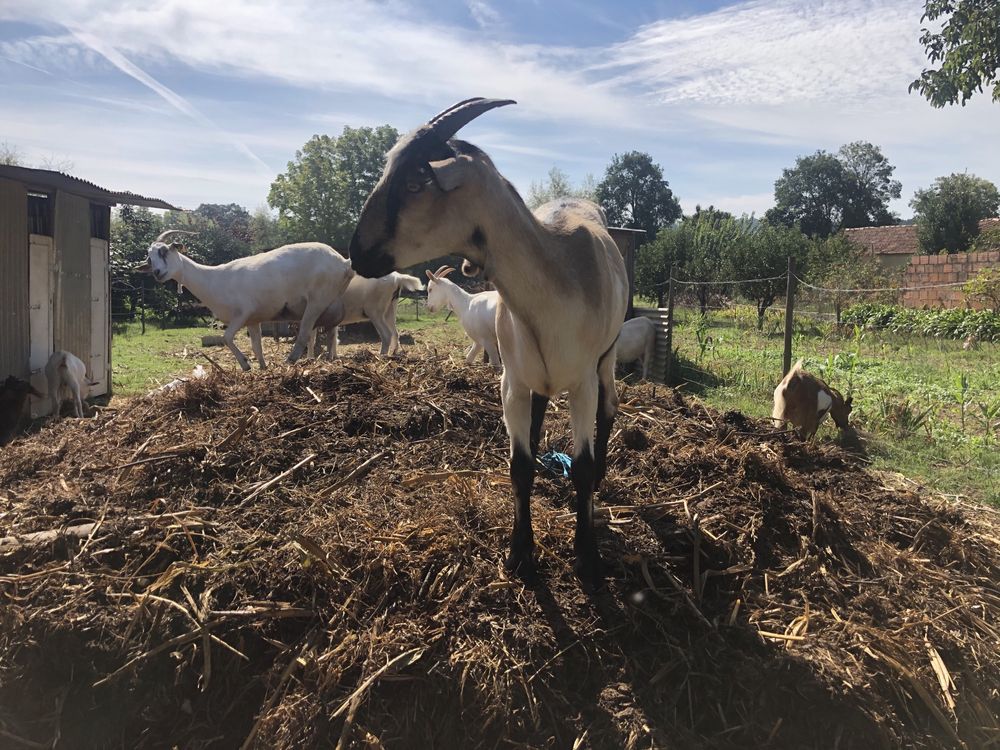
(563, 292)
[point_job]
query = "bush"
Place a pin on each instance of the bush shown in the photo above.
(953, 324)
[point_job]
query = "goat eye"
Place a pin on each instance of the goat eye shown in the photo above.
(414, 186)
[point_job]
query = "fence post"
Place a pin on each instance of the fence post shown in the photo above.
(789, 314)
(670, 329)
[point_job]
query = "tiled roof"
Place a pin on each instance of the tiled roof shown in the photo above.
(47, 179)
(897, 240)
(892, 240)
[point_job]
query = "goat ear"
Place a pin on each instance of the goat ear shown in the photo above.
(451, 173)
(178, 246)
(849, 402)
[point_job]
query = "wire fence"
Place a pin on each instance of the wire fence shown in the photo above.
(932, 401)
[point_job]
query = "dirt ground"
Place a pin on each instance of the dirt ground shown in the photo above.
(311, 557)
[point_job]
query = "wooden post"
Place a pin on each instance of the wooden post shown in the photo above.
(670, 329)
(789, 314)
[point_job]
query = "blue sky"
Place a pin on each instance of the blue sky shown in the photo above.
(199, 101)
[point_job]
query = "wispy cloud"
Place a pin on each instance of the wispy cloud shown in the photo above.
(723, 99)
(171, 97)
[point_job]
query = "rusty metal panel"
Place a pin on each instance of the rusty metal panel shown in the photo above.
(73, 286)
(13, 279)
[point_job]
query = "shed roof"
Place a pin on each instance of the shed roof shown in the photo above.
(891, 240)
(46, 179)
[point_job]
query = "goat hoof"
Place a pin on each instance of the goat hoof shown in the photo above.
(588, 569)
(521, 562)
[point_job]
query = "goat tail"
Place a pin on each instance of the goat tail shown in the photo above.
(409, 283)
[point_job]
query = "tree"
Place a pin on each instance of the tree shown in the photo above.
(223, 232)
(967, 46)
(11, 156)
(265, 231)
(761, 258)
(948, 213)
(837, 263)
(695, 250)
(634, 194)
(811, 195)
(826, 192)
(871, 185)
(557, 185)
(321, 194)
(132, 231)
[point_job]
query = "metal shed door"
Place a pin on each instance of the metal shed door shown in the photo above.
(98, 364)
(39, 316)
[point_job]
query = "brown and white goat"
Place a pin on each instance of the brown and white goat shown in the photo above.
(805, 400)
(563, 293)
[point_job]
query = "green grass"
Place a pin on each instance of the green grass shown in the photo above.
(908, 392)
(140, 362)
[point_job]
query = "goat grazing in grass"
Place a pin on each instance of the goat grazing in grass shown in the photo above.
(367, 299)
(67, 378)
(476, 312)
(14, 394)
(637, 341)
(563, 294)
(293, 282)
(805, 400)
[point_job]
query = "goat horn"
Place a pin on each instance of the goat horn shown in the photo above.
(445, 124)
(445, 271)
(437, 273)
(167, 232)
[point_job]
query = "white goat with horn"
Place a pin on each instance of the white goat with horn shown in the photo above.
(563, 294)
(476, 312)
(293, 282)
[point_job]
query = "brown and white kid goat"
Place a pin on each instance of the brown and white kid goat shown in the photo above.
(805, 400)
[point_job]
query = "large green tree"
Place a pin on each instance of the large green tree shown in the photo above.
(222, 232)
(870, 183)
(948, 213)
(321, 194)
(634, 194)
(826, 192)
(760, 260)
(965, 45)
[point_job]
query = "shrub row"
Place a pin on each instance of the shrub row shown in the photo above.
(952, 324)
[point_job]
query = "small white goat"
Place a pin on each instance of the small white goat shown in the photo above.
(476, 312)
(804, 400)
(292, 282)
(367, 299)
(563, 294)
(637, 341)
(67, 378)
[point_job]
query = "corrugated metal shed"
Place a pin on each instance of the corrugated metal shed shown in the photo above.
(13, 278)
(72, 242)
(54, 265)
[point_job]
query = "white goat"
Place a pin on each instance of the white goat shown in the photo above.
(293, 282)
(563, 294)
(476, 312)
(67, 378)
(367, 299)
(637, 341)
